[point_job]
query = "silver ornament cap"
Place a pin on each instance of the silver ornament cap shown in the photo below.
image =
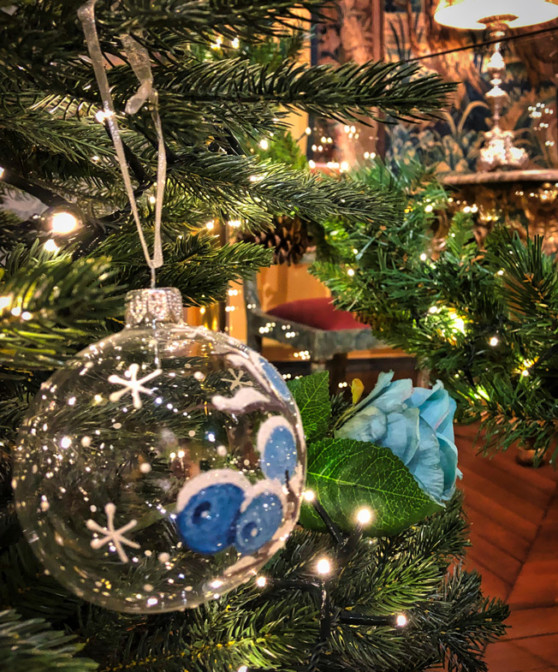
(150, 306)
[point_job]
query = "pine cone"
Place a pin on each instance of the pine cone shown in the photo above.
(289, 239)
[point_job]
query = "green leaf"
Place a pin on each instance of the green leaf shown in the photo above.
(347, 475)
(311, 394)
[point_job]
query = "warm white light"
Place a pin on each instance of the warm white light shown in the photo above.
(16, 311)
(428, 208)
(344, 166)
(264, 144)
(2, 171)
(308, 130)
(364, 516)
(101, 116)
(5, 301)
(433, 310)
(423, 256)
(235, 223)
(474, 14)
(500, 272)
(261, 582)
(242, 668)
(235, 43)
(350, 272)
(323, 566)
(311, 164)
(216, 584)
(26, 315)
(65, 442)
(457, 323)
(152, 199)
(51, 246)
(494, 340)
(63, 222)
(308, 495)
(401, 620)
(210, 225)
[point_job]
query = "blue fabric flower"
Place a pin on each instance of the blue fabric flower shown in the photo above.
(416, 424)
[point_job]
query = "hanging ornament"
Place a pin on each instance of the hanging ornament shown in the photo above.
(162, 466)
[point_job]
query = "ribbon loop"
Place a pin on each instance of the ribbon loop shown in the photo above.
(138, 57)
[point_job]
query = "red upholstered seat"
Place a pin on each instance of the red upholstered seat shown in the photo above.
(317, 313)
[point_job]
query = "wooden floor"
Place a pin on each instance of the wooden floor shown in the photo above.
(513, 511)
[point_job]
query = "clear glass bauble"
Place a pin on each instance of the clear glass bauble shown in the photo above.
(162, 466)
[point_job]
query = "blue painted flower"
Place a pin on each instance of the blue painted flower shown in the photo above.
(275, 378)
(416, 424)
(277, 446)
(258, 523)
(207, 521)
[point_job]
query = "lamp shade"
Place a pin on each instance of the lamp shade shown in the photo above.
(477, 14)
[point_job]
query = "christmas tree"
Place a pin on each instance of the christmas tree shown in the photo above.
(478, 317)
(390, 596)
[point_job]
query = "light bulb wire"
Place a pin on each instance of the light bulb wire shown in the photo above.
(140, 62)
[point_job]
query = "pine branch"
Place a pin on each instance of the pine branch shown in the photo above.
(251, 190)
(194, 263)
(204, 19)
(344, 93)
(32, 646)
(54, 306)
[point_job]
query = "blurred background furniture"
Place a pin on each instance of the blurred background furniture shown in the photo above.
(318, 332)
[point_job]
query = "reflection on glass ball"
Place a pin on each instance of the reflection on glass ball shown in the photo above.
(162, 466)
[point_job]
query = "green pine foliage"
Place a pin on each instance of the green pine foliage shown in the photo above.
(484, 321)
(218, 99)
(279, 627)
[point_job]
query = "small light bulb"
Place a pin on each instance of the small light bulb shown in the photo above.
(525, 372)
(264, 144)
(433, 310)
(401, 620)
(101, 116)
(364, 516)
(350, 272)
(311, 164)
(63, 222)
(242, 668)
(309, 495)
(51, 246)
(428, 208)
(344, 166)
(323, 566)
(423, 256)
(210, 225)
(235, 43)
(2, 171)
(494, 340)
(5, 301)
(308, 130)
(152, 199)
(261, 582)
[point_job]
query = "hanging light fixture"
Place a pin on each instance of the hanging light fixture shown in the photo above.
(498, 17)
